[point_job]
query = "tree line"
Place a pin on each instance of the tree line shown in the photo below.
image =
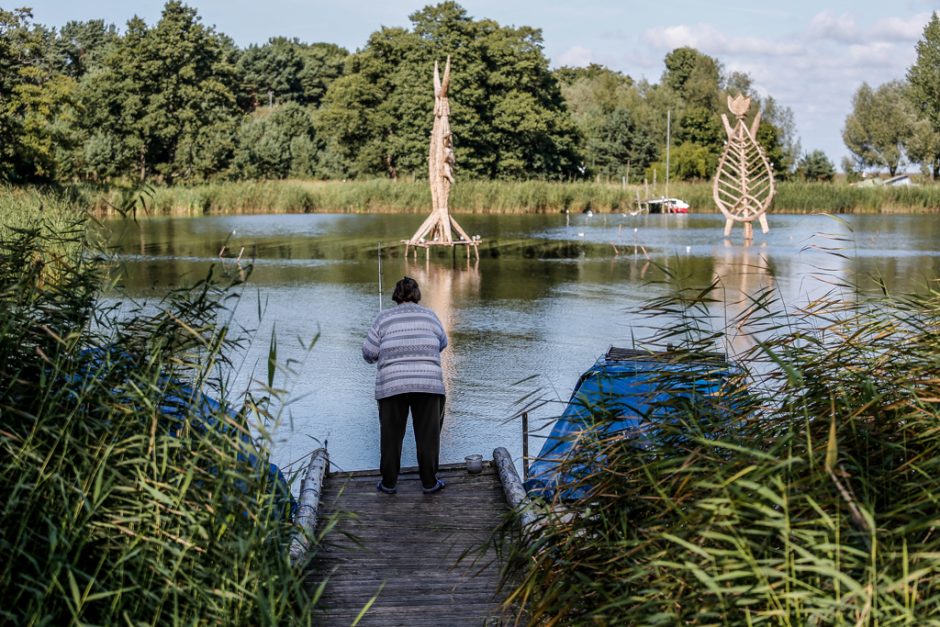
(898, 123)
(179, 102)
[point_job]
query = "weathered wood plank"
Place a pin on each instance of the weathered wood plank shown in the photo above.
(425, 558)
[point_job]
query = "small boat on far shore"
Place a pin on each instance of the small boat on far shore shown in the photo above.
(665, 205)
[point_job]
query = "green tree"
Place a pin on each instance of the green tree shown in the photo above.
(356, 118)
(621, 142)
(777, 136)
(739, 83)
(816, 166)
(270, 73)
(608, 110)
(115, 98)
(31, 118)
(923, 147)
(48, 126)
(323, 63)
(694, 76)
(878, 127)
(83, 45)
(850, 167)
(700, 126)
(924, 92)
(507, 113)
(275, 143)
(689, 162)
(163, 99)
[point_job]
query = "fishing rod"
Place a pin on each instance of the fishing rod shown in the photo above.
(378, 247)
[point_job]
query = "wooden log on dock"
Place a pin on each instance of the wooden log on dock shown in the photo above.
(311, 487)
(529, 513)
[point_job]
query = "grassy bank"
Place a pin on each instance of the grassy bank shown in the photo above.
(124, 498)
(808, 499)
(382, 195)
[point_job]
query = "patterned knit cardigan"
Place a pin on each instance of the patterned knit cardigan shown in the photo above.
(406, 341)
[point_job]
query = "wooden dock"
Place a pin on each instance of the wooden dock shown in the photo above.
(412, 558)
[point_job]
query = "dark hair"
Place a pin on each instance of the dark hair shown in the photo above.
(406, 291)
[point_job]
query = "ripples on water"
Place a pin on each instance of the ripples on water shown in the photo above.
(544, 301)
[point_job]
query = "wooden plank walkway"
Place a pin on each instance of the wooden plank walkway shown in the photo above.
(408, 550)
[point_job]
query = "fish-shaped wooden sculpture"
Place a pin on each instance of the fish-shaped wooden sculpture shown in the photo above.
(744, 183)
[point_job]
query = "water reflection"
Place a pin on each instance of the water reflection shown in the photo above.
(742, 272)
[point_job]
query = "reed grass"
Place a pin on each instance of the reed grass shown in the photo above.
(804, 494)
(387, 196)
(124, 497)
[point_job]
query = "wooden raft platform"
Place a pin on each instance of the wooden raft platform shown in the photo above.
(416, 554)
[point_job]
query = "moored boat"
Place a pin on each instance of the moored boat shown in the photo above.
(626, 392)
(665, 205)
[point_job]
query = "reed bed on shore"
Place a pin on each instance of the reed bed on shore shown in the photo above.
(387, 196)
(804, 494)
(126, 494)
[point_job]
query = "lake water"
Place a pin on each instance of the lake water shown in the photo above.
(550, 294)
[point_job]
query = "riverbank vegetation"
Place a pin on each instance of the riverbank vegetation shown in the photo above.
(126, 496)
(804, 494)
(387, 196)
(177, 102)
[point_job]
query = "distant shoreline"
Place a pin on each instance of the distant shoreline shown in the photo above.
(499, 197)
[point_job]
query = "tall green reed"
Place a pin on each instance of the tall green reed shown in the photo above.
(469, 196)
(126, 497)
(804, 494)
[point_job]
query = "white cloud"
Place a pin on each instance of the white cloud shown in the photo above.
(876, 53)
(900, 30)
(708, 39)
(815, 70)
(843, 29)
(577, 56)
(839, 28)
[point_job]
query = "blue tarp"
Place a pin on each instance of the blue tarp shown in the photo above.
(626, 391)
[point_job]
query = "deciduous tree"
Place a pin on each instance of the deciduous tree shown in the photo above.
(924, 93)
(878, 127)
(275, 143)
(164, 95)
(507, 113)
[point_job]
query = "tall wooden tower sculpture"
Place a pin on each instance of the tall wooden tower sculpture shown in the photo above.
(744, 183)
(439, 228)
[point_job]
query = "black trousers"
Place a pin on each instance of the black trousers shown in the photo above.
(427, 416)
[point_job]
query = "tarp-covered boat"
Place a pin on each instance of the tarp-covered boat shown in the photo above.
(625, 391)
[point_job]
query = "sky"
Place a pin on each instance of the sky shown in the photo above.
(810, 56)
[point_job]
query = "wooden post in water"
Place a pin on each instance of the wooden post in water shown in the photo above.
(668, 141)
(525, 444)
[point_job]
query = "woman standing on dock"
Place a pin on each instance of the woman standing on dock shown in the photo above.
(407, 341)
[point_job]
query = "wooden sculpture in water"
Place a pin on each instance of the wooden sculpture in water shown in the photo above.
(744, 183)
(439, 228)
